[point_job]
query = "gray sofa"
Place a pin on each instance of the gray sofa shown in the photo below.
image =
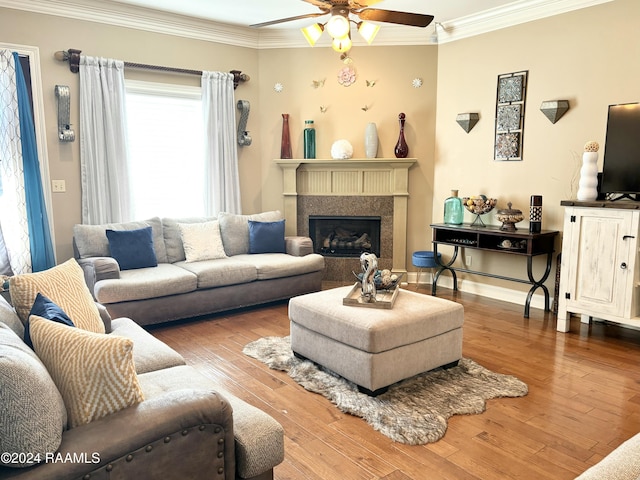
(621, 464)
(186, 426)
(177, 289)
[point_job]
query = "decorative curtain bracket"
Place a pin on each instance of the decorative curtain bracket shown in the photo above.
(244, 139)
(65, 134)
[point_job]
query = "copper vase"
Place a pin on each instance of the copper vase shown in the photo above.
(285, 144)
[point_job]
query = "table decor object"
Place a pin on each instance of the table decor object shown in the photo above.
(588, 185)
(509, 217)
(479, 205)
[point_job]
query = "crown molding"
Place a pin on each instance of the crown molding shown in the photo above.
(129, 16)
(508, 16)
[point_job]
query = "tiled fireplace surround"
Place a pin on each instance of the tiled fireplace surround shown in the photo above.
(354, 187)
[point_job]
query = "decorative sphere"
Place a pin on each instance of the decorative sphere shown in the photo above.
(591, 146)
(341, 150)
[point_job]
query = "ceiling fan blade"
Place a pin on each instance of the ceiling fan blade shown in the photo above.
(391, 16)
(289, 19)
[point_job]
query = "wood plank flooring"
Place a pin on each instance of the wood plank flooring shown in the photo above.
(583, 401)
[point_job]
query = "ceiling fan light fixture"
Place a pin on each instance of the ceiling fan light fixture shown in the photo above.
(368, 30)
(338, 26)
(341, 45)
(313, 33)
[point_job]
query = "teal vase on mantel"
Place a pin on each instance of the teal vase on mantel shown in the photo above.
(453, 211)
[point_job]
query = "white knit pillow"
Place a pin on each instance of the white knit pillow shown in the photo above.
(202, 241)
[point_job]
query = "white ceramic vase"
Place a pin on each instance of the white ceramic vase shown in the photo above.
(371, 140)
(588, 185)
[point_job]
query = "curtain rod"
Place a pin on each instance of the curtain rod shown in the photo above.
(73, 57)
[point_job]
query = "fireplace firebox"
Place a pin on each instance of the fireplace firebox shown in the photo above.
(335, 236)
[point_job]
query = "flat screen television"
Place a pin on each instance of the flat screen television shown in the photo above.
(621, 161)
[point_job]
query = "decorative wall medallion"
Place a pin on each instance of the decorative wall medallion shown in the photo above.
(416, 83)
(347, 76)
(278, 87)
(507, 145)
(510, 88)
(510, 107)
(508, 117)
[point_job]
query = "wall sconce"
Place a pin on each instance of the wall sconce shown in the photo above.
(554, 109)
(65, 134)
(467, 120)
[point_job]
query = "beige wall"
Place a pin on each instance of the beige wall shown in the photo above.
(50, 34)
(392, 69)
(588, 57)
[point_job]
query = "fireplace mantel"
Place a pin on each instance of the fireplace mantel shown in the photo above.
(351, 177)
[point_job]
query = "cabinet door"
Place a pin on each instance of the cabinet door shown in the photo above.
(599, 250)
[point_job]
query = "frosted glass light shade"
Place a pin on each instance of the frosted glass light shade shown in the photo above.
(341, 45)
(368, 31)
(312, 33)
(338, 26)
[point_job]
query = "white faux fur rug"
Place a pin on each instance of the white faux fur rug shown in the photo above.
(413, 411)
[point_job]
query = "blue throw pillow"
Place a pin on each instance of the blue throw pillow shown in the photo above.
(46, 308)
(132, 248)
(266, 237)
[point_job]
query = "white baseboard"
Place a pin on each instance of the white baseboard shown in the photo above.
(491, 291)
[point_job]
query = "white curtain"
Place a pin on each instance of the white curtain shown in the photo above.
(15, 225)
(103, 142)
(221, 153)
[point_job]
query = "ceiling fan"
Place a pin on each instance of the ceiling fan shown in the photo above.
(338, 25)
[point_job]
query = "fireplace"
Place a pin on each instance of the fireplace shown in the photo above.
(356, 187)
(340, 236)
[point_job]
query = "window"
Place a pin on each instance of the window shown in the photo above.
(166, 149)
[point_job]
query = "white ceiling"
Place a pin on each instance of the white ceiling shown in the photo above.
(248, 12)
(227, 21)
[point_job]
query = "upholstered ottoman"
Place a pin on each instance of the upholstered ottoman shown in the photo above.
(372, 347)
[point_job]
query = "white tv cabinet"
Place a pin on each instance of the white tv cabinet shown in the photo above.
(599, 268)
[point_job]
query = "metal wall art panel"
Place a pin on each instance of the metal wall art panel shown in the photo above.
(510, 106)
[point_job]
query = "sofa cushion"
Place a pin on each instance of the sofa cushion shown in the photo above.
(132, 248)
(45, 308)
(165, 279)
(235, 229)
(202, 241)
(173, 238)
(221, 272)
(32, 412)
(91, 240)
(64, 284)
(266, 237)
(149, 353)
(94, 372)
(10, 318)
(278, 265)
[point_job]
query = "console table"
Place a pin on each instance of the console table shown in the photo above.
(491, 238)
